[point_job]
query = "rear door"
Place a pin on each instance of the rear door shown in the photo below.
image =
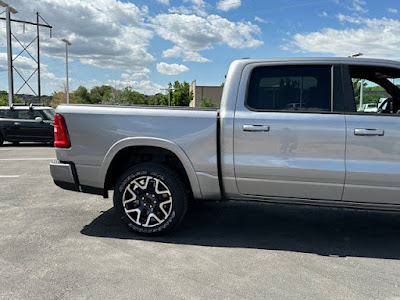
(289, 134)
(373, 137)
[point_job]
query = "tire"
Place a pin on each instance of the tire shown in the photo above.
(1, 140)
(151, 199)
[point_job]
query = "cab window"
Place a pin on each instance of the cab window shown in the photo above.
(290, 88)
(376, 90)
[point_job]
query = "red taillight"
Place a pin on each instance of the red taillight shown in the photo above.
(61, 138)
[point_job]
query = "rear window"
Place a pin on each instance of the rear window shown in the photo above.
(8, 114)
(49, 114)
(3, 113)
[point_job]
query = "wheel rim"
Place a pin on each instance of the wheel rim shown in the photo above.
(147, 201)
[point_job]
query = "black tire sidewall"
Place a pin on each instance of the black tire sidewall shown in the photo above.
(1, 139)
(170, 179)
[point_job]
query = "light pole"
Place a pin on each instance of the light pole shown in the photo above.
(66, 62)
(9, 51)
(361, 83)
(169, 89)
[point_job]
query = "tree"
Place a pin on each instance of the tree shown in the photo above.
(158, 99)
(82, 95)
(99, 94)
(132, 97)
(182, 94)
(207, 102)
(3, 98)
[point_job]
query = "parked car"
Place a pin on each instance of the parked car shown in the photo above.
(258, 146)
(369, 107)
(26, 124)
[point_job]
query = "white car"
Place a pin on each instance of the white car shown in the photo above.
(369, 107)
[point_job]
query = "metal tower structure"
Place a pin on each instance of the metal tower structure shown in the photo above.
(11, 59)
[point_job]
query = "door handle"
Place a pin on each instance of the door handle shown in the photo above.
(256, 128)
(17, 123)
(369, 131)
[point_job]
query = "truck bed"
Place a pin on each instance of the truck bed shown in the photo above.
(97, 130)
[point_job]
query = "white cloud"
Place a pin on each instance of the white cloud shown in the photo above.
(25, 65)
(187, 55)
(146, 87)
(136, 76)
(373, 37)
(392, 10)
(226, 5)
(166, 2)
(349, 19)
(357, 6)
(190, 32)
(106, 38)
(323, 14)
(22, 63)
(171, 69)
(261, 20)
(180, 10)
(115, 34)
(197, 7)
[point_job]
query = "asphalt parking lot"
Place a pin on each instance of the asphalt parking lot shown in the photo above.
(56, 244)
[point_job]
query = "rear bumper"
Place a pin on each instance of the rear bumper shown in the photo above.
(64, 172)
(65, 176)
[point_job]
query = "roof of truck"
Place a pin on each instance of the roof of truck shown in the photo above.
(312, 60)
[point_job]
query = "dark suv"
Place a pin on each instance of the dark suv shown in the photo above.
(26, 124)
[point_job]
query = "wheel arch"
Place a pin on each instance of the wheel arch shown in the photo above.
(132, 145)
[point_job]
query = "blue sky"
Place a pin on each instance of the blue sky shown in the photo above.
(146, 44)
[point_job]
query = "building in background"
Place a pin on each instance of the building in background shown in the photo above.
(205, 92)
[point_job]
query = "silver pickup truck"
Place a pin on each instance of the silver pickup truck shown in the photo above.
(288, 131)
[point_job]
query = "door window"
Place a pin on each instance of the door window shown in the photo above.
(23, 114)
(290, 88)
(375, 90)
(37, 113)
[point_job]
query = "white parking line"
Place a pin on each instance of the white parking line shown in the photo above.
(9, 176)
(22, 159)
(26, 148)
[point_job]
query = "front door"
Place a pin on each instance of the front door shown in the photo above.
(373, 136)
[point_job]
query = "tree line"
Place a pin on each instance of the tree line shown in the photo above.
(106, 94)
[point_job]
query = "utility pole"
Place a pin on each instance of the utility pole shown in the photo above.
(67, 43)
(169, 89)
(361, 82)
(8, 12)
(11, 59)
(38, 54)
